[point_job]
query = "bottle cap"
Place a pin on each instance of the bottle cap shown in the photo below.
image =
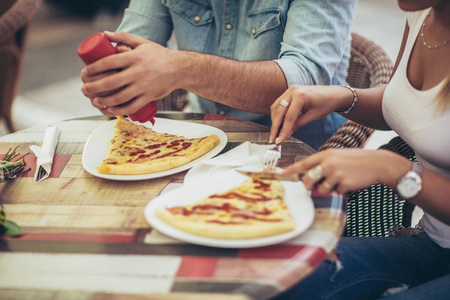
(95, 47)
(145, 114)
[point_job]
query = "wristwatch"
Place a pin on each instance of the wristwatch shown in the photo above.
(411, 184)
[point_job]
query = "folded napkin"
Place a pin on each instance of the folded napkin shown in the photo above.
(246, 154)
(45, 153)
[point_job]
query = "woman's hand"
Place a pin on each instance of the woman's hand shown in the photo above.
(304, 104)
(345, 170)
(122, 83)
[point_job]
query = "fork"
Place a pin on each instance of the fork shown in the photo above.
(270, 158)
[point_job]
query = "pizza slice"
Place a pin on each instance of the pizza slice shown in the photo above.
(256, 208)
(137, 149)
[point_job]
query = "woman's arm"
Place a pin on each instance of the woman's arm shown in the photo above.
(433, 198)
(346, 170)
(309, 103)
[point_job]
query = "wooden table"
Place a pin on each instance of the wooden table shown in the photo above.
(87, 238)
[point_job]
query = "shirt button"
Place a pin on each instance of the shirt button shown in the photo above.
(222, 113)
(229, 26)
(197, 19)
(254, 30)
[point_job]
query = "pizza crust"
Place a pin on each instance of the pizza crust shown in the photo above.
(230, 231)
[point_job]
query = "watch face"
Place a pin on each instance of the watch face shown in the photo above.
(409, 186)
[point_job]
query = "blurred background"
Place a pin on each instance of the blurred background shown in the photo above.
(49, 88)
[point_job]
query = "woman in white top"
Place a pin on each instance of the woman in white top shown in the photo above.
(416, 104)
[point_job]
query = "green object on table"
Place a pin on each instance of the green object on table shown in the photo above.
(12, 165)
(7, 228)
(10, 229)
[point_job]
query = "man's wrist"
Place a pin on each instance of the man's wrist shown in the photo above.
(188, 69)
(180, 69)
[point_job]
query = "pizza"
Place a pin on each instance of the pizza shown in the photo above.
(137, 149)
(254, 209)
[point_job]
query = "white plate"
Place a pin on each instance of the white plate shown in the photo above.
(297, 199)
(97, 146)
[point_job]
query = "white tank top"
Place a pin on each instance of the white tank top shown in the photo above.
(410, 113)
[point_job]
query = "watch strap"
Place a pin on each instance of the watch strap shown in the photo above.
(417, 168)
(415, 175)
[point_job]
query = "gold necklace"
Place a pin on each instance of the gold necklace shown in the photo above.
(422, 34)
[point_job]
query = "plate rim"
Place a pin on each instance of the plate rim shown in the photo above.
(156, 223)
(212, 153)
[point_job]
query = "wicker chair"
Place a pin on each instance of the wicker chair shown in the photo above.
(175, 101)
(376, 210)
(15, 15)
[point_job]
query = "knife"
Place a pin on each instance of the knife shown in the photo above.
(273, 176)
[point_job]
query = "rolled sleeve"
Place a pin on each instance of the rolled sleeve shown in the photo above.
(294, 71)
(315, 41)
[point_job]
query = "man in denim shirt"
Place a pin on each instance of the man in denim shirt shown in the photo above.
(242, 55)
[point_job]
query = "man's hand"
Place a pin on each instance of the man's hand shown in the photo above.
(123, 83)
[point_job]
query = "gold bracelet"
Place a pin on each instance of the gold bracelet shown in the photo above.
(355, 99)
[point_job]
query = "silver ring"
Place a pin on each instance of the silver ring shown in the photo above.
(284, 103)
(327, 185)
(316, 172)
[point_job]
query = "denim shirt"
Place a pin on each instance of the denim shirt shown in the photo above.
(309, 39)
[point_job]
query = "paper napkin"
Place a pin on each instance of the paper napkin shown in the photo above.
(246, 154)
(45, 153)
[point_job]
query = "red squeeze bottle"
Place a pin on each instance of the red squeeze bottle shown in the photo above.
(98, 46)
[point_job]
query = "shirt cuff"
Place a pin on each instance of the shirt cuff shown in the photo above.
(295, 74)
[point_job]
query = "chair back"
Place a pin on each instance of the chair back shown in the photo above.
(175, 101)
(369, 64)
(15, 15)
(379, 210)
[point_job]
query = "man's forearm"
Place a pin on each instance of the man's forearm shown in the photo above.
(249, 86)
